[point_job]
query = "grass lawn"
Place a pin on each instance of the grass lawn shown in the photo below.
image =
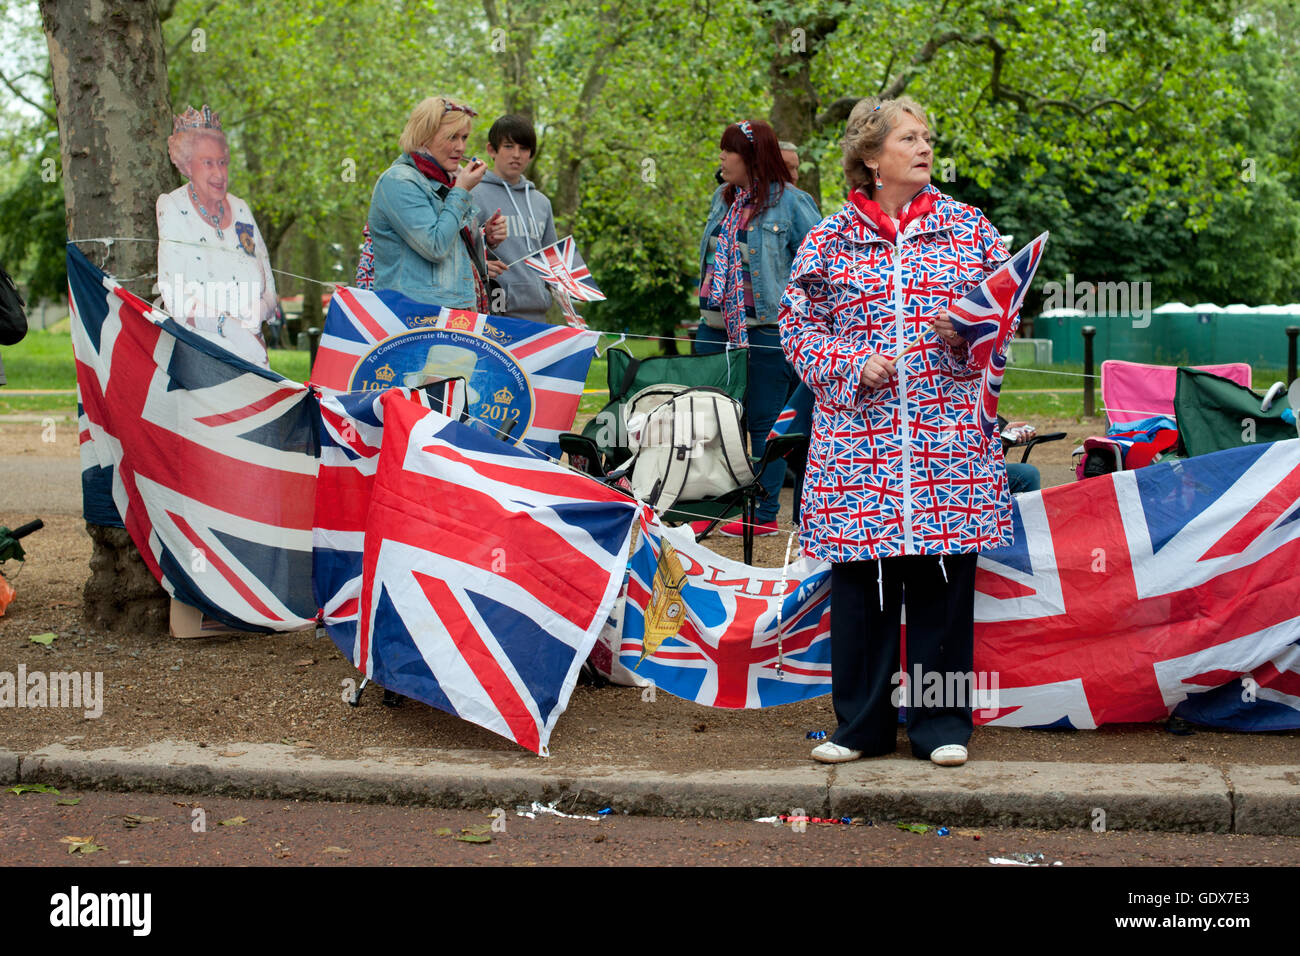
(43, 360)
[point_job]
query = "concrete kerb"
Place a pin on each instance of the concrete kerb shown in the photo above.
(8, 767)
(1266, 799)
(1171, 797)
(1177, 797)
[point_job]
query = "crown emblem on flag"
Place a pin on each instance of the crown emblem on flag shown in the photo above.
(503, 396)
(460, 319)
(385, 373)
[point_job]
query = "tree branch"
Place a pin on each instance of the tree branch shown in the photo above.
(45, 110)
(839, 110)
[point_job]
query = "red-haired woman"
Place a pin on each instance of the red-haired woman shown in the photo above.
(755, 226)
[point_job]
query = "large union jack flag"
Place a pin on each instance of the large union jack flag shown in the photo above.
(726, 651)
(551, 361)
(985, 317)
(1130, 595)
(458, 570)
(208, 461)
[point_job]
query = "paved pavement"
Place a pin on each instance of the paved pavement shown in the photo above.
(53, 482)
(1183, 797)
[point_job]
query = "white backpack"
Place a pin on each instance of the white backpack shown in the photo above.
(686, 443)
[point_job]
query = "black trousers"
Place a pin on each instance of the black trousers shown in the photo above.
(865, 650)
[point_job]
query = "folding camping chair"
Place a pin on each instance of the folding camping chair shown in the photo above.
(1139, 404)
(1212, 413)
(603, 444)
(1132, 391)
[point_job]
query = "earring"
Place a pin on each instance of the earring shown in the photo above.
(879, 184)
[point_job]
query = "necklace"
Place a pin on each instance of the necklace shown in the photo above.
(207, 216)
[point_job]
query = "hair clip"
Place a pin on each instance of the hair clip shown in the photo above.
(747, 128)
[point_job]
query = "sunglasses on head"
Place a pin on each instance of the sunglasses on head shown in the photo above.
(451, 107)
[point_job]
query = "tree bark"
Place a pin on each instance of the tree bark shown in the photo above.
(514, 45)
(794, 101)
(110, 90)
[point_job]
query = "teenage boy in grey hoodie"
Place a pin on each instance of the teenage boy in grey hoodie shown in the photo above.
(519, 291)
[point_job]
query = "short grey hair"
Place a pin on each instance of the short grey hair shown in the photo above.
(785, 144)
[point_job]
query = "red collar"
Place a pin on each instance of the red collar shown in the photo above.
(920, 205)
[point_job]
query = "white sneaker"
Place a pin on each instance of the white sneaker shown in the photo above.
(834, 753)
(949, 755)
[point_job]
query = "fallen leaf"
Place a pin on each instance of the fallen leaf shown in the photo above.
(474, 838)
(232, 753)
(32, 788)
(233, 822)
(304, 662)
(84, 844)
(915, 827)
(442, 831)
(67, 802)
(336, 849)
(133, 820)
(45, 639)
(176, 803)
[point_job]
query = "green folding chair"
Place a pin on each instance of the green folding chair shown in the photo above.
(1215, 413)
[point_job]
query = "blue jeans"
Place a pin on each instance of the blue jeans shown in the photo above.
(1022, 478)
(770, 380)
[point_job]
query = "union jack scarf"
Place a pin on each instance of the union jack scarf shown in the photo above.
(727, 289)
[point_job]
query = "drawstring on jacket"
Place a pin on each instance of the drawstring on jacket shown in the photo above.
(943, 569)
(531, 225)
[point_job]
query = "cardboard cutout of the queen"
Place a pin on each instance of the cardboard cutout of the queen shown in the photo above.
(214, 273)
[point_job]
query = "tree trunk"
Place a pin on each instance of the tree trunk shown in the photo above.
(794, 101)
(514, 46)
(312, 316)
(110, 88)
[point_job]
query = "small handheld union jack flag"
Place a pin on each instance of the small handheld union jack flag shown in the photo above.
(563, 268)
(985, 317)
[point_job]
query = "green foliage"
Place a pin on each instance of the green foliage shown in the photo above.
(1121, 125)
(33, 230)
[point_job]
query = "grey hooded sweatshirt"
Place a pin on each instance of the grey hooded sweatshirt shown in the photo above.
(529, 227)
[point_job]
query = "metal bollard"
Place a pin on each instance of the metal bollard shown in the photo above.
(1089, 401)
(1291, 332)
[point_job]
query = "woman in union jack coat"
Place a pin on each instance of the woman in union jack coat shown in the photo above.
(902, 488)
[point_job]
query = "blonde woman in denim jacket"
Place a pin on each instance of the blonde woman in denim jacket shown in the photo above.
(426, 240)
(745, 256)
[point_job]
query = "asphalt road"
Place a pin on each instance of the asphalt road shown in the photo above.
(189, 830)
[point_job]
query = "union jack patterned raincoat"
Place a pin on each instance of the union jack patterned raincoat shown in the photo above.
(906, 468)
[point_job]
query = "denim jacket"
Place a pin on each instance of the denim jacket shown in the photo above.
(416, 235)
(773, 238)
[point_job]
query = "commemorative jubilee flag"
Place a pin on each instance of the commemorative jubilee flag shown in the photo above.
(523, 378)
